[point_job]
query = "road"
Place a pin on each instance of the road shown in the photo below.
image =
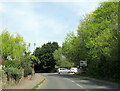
(68, 81)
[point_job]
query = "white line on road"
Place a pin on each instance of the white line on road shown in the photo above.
(74, 82)
(79, 85)
(67, 79)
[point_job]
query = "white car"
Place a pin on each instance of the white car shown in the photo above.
(63, 70)
(74, 70)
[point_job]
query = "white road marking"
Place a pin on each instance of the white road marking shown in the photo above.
(79, 85)
(74, 82)
(67, 79)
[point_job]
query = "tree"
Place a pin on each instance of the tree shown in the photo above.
(97, 41)
(16, 53)
(45, 55)
(28, 62)
(12, 45)
(61, 60)
(101, 38)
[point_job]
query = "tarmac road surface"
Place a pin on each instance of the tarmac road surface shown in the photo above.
(68, 81)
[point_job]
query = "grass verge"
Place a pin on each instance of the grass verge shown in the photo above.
(36, 86)
(101, 78)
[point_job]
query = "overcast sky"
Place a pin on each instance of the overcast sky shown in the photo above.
(41, 22)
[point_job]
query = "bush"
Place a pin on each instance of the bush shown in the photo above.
(13, 73)
(13, 63)
(26, 64)
(1, 72)
(27, 71)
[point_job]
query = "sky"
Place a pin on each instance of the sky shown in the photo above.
(41, 22)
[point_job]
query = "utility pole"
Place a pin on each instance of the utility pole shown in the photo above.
(33, 63)
(2, 22)
(34, 48)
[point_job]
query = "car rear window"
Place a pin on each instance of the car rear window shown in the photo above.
(62, 69)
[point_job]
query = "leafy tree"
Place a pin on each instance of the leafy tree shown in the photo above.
(61, 60)
(12, 45)
(97, 41)
(45, 55)
(69, 48)
(101, 40)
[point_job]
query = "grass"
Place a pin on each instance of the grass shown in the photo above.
(100, 78)
(36, 86)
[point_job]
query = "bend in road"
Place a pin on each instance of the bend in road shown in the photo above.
(67, 81)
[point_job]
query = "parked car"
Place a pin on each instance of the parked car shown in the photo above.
(63, 70)
(73, 70)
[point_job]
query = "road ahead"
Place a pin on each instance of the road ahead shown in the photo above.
(67, 81)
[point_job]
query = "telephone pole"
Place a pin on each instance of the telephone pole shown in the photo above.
(34, 48)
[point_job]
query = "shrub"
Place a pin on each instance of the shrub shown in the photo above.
(1, 72)
(13, 73)
(13, 63)
(26, 64)
(27, 71)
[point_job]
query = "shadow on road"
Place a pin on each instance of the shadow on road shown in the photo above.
(87, 82)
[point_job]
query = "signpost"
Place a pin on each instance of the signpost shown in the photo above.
(83, 66)
(83, 63)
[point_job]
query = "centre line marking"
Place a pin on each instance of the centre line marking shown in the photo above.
(79, 85)
(74, 82)
(67, 78)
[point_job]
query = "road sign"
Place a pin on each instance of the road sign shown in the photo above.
(83, 63)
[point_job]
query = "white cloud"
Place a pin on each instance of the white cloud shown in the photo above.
(83, 8)
(37, 27)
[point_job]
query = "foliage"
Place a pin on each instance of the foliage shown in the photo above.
(70, 48)
(61, 60)
(32, 58)
(27, 63)
(13, 63)
(13, 73)
(45, 55)
(27, 71)
(96, 41)
(1, 74)
(12, 45)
